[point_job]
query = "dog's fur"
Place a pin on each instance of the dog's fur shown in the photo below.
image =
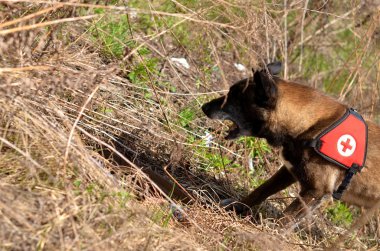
(287, 114)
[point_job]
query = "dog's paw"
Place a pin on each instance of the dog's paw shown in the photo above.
(231, 204)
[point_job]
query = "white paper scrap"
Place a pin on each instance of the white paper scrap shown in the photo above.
(239, 67)
(181, 61)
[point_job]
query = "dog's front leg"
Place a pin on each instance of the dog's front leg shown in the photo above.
(279, 181)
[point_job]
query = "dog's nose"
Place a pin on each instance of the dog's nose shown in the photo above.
(206, 108)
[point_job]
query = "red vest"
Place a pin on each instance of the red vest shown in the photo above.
(344, 142)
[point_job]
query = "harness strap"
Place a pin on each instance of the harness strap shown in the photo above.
(346, 181)
(314, 143)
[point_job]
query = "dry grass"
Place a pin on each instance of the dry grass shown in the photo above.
(76, 127)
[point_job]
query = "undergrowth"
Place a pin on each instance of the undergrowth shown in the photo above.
(90, 101)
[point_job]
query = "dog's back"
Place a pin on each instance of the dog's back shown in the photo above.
(364, 189)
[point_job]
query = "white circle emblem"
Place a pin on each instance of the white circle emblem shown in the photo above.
(346, 145)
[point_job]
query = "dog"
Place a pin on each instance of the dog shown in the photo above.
(288, 114)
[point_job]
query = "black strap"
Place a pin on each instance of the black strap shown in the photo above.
(346, 181)
(314, 143)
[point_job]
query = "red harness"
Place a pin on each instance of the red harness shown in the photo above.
(344, 143)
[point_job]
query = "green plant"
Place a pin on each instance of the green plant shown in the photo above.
(210, 159)
(106, 110)
(340, 214)
(139, 74)
(186, 116)
(112, 32)
(161, 217)
(256, 147)
(123, 197)
(216, 161)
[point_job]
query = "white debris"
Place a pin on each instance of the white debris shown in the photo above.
(133, 14)
(208, 138)
(250, 164)
(240, 67)
(102, 167)
(291, 194)
(181, 61)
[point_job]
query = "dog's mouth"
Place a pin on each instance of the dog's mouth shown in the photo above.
(236, 128)
(233, 130)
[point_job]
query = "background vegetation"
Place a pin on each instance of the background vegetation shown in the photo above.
(95, 104)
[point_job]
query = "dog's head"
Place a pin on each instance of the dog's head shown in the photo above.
(248, 104)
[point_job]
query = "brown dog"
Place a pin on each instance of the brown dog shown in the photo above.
(288, 114)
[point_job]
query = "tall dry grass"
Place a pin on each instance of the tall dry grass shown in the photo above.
(75, 129)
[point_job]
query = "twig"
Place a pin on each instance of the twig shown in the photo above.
(172, 93)
(5, 141)
(26, 68)
(266, 32)
(75, 125)
(177, 183)
(38, 13)
(285, 40)
(135, 11)
(302, 35)
(39, 25)
(328, 25)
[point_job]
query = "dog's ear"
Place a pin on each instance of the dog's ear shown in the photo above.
(274, 68)
(265, 89)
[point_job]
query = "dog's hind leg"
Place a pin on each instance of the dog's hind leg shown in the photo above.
(314, 188)
(303, 206)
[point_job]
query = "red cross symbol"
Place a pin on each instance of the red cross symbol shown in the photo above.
(346, 145)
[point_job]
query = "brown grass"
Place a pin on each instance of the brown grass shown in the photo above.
(75, 129)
